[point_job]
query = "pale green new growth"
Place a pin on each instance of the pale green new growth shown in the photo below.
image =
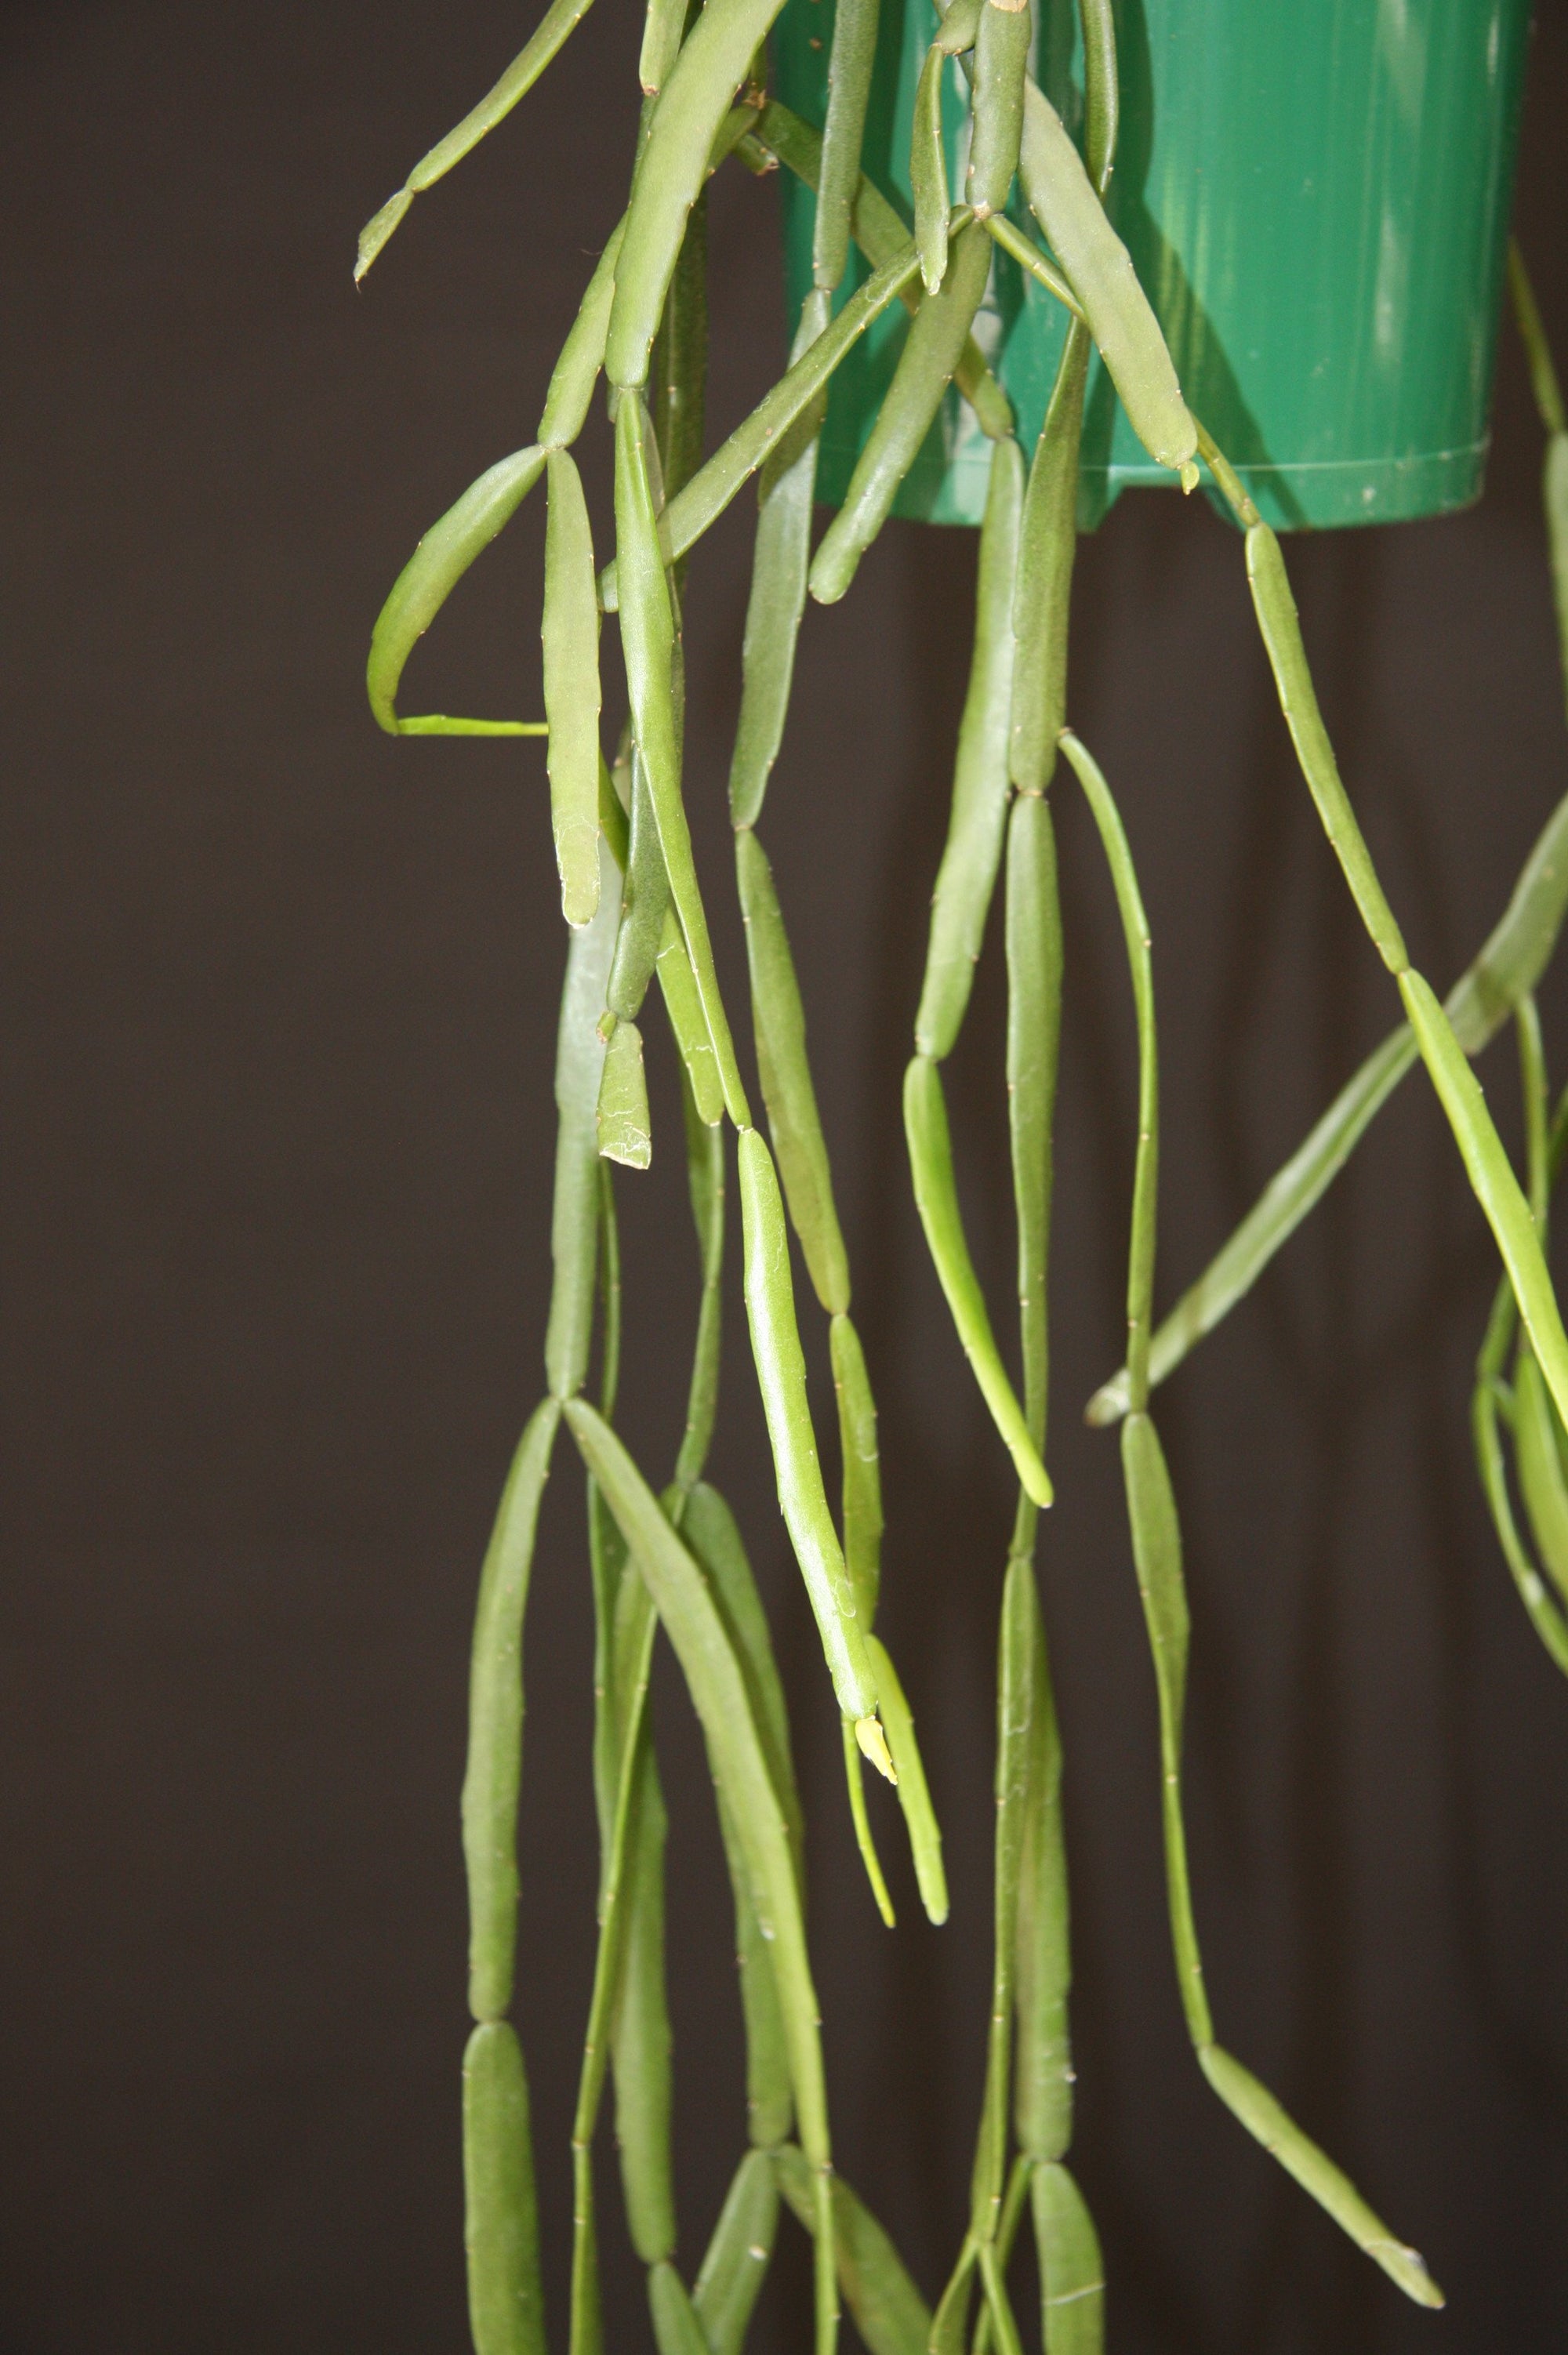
(936, 1199)
(433, 570)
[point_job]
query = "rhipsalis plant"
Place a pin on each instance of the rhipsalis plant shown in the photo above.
(673, 1558)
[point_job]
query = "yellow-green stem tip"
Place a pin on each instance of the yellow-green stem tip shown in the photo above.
(874, 1745)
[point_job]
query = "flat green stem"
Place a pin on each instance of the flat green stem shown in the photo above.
(1537, 1111)
(936, 1199)
(1145, 1180)
(1537, 351)
(862, 1823)
(711, 490)
(1028, 255)
(1507, 967)
(1006, 2233)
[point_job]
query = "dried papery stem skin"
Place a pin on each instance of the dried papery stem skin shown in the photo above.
(622, 1121)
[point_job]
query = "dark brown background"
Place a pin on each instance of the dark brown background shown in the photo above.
(281, 998)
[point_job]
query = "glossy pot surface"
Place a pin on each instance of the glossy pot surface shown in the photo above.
(1315, 194)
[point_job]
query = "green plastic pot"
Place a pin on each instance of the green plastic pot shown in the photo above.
(1315, 194)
